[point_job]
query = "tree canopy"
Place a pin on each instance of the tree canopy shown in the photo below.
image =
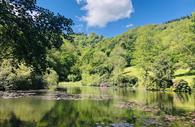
(28, 31)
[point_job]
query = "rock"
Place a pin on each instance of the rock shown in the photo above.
(169, 118)
(121, 125)
(151, 122)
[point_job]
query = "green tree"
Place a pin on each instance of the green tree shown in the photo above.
(29, 31)
(63, 60)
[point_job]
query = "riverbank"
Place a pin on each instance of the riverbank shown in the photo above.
(44, 94)
(51, 95)
(72, 91)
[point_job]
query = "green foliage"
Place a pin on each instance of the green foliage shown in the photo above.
(27, 37)
(127, 81)
(162, 49)
(193, 83)
(91, 80)
(182, 86)
(14, 78)
(192, 27)
(42, 41)
(163, 71)
(51, 78)
(62, 61)
(159, 50)
(20, 78)
(27, 34)
(72, 78)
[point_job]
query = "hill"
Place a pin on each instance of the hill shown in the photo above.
(151, 55)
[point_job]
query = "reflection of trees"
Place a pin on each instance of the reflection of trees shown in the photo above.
(194, 100)
(75, 90)
(126, 92)
(162, 100)
(183, 97)
(86, 113)
(13, 121)
(27, 112)
(82, 113)
(165, 102)
(60, 115)
(23, 109)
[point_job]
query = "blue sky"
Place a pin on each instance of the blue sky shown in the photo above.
(112, 17)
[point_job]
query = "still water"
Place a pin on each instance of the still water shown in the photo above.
(100, 107)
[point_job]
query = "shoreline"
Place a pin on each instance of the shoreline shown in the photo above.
(63, 95)
(51, 95)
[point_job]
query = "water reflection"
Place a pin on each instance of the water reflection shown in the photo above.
(36, 112)
(86, 114)
(183, 97)
(164, 100)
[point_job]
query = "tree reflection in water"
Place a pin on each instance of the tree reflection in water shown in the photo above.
(37, 112)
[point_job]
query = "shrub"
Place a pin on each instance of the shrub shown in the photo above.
(155, 84)
(19, 78)
(12, 78)
(51, 78)
(182, 86)
(93, 80)
(5, 71)
(72, 77)
(129, 81)
(193, 82)
(22, 78)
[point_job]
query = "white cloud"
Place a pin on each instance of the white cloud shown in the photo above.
(129, 25)
(101, 12)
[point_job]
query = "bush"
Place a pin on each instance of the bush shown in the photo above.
(127, 81)
(72, 77)
(37, 82)
(94, 80)
(164, 83)
(193, 83)
(90, 80)
(12, 78)
(19, 78)
(51, 78)
(157, 84)
(182, 86)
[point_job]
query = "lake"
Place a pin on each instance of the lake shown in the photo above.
(100, 107)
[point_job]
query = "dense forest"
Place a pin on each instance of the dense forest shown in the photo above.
(39, 50)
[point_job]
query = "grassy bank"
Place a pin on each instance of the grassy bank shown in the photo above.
(135, 71)
(184, 74)
(70, 84)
